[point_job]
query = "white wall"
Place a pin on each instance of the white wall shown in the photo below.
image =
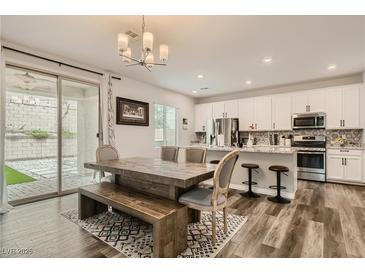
(139, 141)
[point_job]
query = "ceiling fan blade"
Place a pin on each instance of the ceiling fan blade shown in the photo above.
(147, 68)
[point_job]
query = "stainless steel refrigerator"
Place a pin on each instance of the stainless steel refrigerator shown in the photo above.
(226, 131)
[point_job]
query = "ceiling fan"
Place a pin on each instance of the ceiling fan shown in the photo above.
(28, 81)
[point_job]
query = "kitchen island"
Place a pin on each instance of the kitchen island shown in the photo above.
(264, 156)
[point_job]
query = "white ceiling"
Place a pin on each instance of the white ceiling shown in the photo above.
(227, 50)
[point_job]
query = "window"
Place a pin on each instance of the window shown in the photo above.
(165, 126)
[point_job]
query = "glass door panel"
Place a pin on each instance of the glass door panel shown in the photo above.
(80, 125)
(31, 134)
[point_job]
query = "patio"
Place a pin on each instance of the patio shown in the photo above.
(44, 171)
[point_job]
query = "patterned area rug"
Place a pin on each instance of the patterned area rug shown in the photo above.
(133, 237)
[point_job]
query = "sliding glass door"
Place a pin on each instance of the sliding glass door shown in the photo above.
(31, 134)
(80, 126)
(51, 130)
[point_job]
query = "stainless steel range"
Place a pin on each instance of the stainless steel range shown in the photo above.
(311, 157)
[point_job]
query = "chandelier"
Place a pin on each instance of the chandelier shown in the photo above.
(147, 58)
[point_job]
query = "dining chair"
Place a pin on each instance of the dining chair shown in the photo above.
(169, 153)
(195, 154)
(215, 199)
(106, 153)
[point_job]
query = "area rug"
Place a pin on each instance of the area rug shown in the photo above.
(133, 237)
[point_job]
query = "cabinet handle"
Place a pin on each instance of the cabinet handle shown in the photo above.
(343, 123)
(340, 123)
(255, 126)
(345, 161)
(309, 108)
(273, 125)
(341, 161)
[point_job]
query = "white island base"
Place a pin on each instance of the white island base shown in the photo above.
(264, 177)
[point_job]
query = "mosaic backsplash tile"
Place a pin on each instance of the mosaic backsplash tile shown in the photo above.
(353, 136)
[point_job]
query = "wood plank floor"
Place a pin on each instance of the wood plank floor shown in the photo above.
(324, 220)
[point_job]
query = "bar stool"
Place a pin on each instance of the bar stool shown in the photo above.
(250, 193)
(278, 198)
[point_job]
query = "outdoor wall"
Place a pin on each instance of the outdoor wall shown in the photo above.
(29, 118)
(138, 140)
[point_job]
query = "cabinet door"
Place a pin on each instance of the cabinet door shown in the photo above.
(335, 169)
(203, 112)
(333, 108)
(218, 110)
(281, 111)
(316, 100)
(231, 109)
(350, 108)
(246, 114)
(263, 112)
(300, 102)
(353, 169)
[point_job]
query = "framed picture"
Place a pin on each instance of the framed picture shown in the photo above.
(131, 112)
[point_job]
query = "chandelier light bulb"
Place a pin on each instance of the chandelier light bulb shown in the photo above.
(150, 60)
(122, 42)
(147, 41)
(164, 52)
(127, 54)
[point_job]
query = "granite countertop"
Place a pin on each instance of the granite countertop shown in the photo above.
(255, 148)
(362, 147)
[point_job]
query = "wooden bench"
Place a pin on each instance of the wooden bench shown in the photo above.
(169, 218)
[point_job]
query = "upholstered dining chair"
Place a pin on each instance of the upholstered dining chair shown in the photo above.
(106, 153)
(169, 153)
(195, 154)
(215, 199)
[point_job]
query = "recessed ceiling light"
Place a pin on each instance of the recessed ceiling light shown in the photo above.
(331, 67)
(267, 60)
(248, 82)
(200, 76)
(194, 91)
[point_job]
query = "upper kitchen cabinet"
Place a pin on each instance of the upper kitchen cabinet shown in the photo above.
(225, 109)
(281, 111)
(255, 113)
(246, 114)
(342, 107)
(203, 112)
(263, 113)
(309, 101)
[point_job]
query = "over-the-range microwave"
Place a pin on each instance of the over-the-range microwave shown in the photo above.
(309, 120)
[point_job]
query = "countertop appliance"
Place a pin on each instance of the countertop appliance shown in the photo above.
(311, 157)
(309, 120)
(226, 131)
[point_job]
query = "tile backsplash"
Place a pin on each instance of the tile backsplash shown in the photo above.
(353, 136)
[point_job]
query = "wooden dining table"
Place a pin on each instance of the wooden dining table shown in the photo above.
(157, 177)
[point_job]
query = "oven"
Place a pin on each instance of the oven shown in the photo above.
(311, 165)
(309, 120)
(311, 157)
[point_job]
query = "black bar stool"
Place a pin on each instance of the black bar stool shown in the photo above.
(216, 162)
(250, 193)
(278, 198)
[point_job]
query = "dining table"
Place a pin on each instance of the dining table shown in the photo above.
(157, 177)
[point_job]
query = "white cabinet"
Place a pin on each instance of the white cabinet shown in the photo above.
(344, 165)
(246, 114)
(281, 111)
(231, 109)
(218, 110)
(225, 109)
(309, 101)
(203, 112)
(343, 107)
(335, 170)
(255, 113)
(263, 113)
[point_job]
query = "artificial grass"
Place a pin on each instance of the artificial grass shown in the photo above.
(14, 177)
